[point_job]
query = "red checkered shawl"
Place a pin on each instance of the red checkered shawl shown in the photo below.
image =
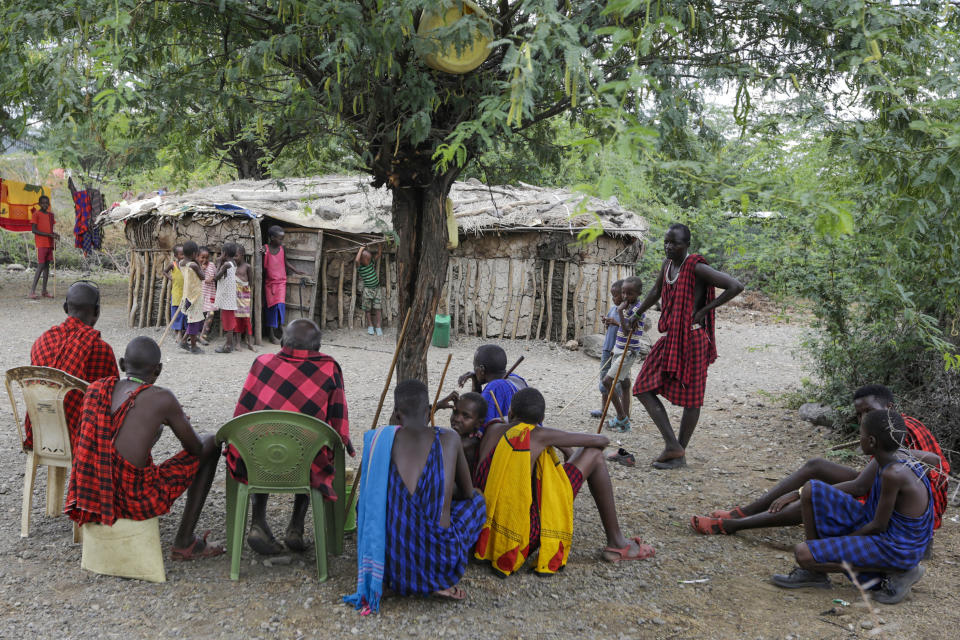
(307, 382)
(77, 349)
(676, 320)
(920, 438)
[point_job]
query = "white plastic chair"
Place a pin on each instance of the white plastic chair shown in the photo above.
(43, 390)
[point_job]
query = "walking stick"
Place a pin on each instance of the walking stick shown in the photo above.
(584, 388)
(436, 398)
(616, 381)
(497, 404)
(376, 416)
(53, 269)
(515, 365)
(172, 320)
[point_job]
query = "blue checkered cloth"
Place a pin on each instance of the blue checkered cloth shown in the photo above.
(837, 515)
(421, 555)
(503, 390)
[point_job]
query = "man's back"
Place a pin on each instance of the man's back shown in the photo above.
(411, 451)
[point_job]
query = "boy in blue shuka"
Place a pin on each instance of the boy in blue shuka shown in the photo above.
(888, 534)
(418, 515)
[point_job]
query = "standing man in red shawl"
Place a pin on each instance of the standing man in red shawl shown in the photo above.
(676, 367)
(74, 347)
(300, 379)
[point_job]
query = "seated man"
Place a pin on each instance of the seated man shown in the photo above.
(778, 507)
(75, 347)
(419, 514)
(113, 474)
(888, 534)
(489, 376)
(300, 379)
(530, 493)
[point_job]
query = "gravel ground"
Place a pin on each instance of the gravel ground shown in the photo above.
(745, 442)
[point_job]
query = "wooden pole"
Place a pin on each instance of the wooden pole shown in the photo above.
(256, 258)
(172, 320)
(616, 378)
(548, 297)
(376, 416)
(436, 398)
(509, 301)
(519, 308)
(340, 297)
(563, 303)
(845, 445)
(353, 296)
(53, 274)
(130, 286)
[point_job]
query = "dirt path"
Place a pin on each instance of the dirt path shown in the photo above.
(744, 443)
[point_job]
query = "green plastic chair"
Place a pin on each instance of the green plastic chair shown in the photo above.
(278, 448)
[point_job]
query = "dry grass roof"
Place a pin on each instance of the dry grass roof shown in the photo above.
(349, 204)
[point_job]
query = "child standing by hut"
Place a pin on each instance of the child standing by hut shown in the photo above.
(370, 296)
(226, 299)
(275, 270)
(192, 292)
(244, 300)
(209, 291)
(172, 272)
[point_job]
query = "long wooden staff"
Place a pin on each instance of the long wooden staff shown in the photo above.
(584, 388)
(436, 398)
(53, 268)
(515, 365)
(172, 320)
(497, 404)
(616, 381)
(376, 416)
(845, 445)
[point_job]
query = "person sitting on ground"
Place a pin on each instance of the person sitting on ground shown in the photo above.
(113, 474)
(612, 322)
(888, 534)
(178, 321)
(490, 379)
(628, 312)
(300, 379)
(419, 514)
(192, 294)
(370, 294)
(74, 347)
(524, 515)
(780, 507)
(226, 297)
(469, 414)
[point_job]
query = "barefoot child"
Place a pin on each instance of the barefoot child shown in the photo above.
(113, 474)
(419, 514)
(889, 533)
(523, 516)
(629, 315)
(226, 299)
(209, 292)
(192, 294)
(42, 224)
(370, 295)
(490, 379)
(612, 323)
(244, 275)
(172, 272)
(275, 270)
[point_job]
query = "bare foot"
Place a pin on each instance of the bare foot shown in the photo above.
(670, 454)
(675, 463)
(452, 593)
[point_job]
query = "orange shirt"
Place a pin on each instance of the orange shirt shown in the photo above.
(44, 222)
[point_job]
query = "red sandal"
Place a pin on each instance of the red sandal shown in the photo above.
(191, 552)
(707, 526)
(644, 551)
(733, 514)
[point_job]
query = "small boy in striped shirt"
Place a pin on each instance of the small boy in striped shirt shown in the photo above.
(370, 292)
(628, 310)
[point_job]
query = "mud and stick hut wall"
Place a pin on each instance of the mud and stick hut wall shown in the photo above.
(151, 240)
(339, 298)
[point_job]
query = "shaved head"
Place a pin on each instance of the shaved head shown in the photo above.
(83, 303)
(142, 354)
(492, 357)
(302, 334)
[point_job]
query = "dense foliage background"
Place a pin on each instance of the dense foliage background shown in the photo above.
(812, 146)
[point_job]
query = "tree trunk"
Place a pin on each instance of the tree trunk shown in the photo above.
(419, 219)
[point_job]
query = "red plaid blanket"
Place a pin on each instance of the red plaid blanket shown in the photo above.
(104, 486)
(919, 437)
(77, 349)
(677, 364)
(307, 382)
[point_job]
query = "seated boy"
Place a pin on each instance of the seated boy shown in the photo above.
(418, 514)
(489, 376)
(113, 474)
(469, 414)
(523, 515)
(887, 534)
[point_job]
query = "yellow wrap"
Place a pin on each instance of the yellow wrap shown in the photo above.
(505, 537)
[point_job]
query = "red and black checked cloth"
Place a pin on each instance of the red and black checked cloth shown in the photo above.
(307, 382)
(77, 349)
(919, 437)
(103, 485)
(676, 367)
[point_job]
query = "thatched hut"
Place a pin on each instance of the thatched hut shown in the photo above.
(516, 268)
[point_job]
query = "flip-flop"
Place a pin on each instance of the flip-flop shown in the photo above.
(455, 593)
(675, 463)
(265, 545)
(644, 551)
(32, 296)
(191, 552)
(733, 514)
(47, 295)
(224, 349)
(623, 457)
(708, 526)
